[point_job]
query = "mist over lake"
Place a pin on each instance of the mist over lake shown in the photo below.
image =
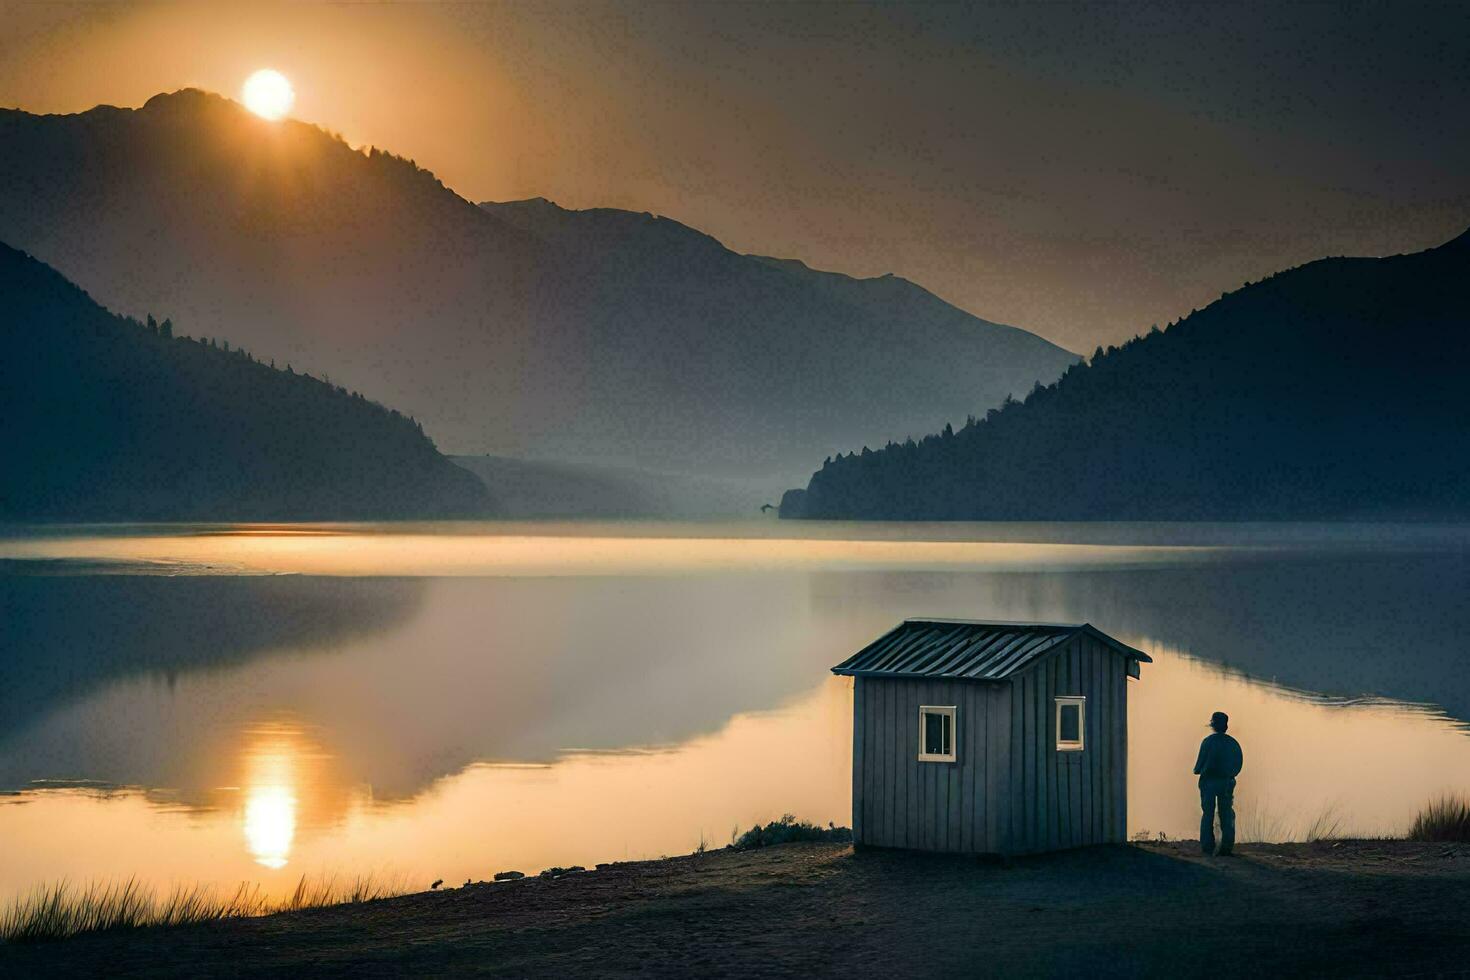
(227, 703)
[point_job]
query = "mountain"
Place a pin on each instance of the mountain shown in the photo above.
(1333, 390)
(762, 356)
(107, 418)
(515, 329)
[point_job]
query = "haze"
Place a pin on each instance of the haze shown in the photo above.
(1080, 172)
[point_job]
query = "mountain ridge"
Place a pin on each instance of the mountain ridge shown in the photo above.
(542, 211)
(1325, 391)
(107, 418)
(619, 338)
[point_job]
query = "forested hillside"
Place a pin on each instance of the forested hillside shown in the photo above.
(1334, 390)
(106, 418)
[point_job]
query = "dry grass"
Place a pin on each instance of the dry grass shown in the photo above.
(1326, 825)
(1444, 819)
(1256, 822)
(62, 910)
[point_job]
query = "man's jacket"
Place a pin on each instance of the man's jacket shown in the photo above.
(1219, 758)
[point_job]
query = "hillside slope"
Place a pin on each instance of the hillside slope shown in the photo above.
(518, 330)
(106, 418)
(763, 355)
(1155, 909)
(1332, 390)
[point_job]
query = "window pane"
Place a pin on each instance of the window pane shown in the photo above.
(948, 734)
(1071, 723)
(933, 733)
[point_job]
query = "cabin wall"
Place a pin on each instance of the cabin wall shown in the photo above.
(898, 801)
(1070, 799)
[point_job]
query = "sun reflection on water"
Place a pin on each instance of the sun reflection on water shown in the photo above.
(274, 759)
(270, 824)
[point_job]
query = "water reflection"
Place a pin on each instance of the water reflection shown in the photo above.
(1386, 622)
(586, 807)
(68, 635)
(1368, 765)
(270, 824)
(271, 778)
(464, 724)
(582, 807)
(502, 670)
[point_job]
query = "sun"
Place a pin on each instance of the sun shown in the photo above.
(268, 94)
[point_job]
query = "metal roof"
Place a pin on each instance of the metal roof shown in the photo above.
(962, 649)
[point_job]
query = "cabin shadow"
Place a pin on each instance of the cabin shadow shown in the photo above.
(1107, 868)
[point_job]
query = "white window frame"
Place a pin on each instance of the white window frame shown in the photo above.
(947, 710)
(1081, 743)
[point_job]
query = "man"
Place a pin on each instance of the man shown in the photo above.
(1219, 763)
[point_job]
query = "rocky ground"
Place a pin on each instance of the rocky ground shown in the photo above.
(1343, 908)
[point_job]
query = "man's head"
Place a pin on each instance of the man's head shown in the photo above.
(1219, 721)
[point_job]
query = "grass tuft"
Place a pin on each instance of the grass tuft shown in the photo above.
(785, 831)
(63, 910)
(1326, 825)
(1446, 818)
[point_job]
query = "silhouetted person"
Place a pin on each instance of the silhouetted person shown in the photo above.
(1219, 763)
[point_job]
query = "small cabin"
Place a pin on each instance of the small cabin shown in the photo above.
(990, 738)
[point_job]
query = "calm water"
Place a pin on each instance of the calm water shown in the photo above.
(254, 703)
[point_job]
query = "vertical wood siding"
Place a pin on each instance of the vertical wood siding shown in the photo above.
(1072, 799)
(899, 801)
(1009, 790)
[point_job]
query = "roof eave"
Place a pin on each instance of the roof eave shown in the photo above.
(1121, 647)
(843, 672)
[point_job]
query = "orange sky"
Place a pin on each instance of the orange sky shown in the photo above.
(1079, 172)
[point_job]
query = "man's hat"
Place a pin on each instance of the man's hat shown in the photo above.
(1219, 720)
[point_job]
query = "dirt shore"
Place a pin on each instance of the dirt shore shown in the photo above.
(1347, 908)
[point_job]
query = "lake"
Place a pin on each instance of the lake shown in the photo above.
(254, 703)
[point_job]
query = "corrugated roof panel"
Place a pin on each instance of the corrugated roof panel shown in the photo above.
(896, 654)
(969, 650)
(1021, 652)
(954, 653)
(977, 654)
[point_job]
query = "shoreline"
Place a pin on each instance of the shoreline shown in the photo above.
(1157, 908)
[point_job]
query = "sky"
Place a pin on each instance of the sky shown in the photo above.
(1080, 170)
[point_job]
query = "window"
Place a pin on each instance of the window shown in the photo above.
(1071, 723)
(936, 733)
